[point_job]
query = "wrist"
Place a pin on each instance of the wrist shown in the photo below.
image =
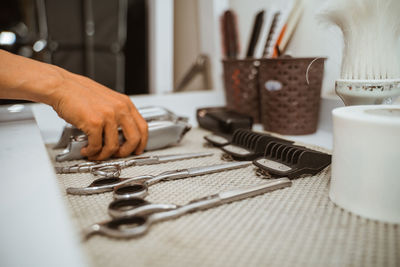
(48, 86)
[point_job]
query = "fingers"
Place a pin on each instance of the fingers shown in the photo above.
(111, 142)
(132, 137)
(114, 110)
(95, 141)
(143, 130)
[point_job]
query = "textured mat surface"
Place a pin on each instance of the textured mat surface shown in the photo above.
(297, 226)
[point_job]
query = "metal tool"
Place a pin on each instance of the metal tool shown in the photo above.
(112, 169)
(137, 186)
(138, 225)
(151, 113)
(283, 159)
(161, 134)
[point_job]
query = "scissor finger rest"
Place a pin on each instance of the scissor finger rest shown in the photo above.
(105, 185)
(98, 186)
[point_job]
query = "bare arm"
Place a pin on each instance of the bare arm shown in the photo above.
(90, 106)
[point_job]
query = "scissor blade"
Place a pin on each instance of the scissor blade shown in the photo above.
(251, 191)
(166, 158)
(218, 168)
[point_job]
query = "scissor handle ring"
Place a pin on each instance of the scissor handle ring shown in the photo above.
(126, 227)
(124, 204)
(107, 171)
(130, 191)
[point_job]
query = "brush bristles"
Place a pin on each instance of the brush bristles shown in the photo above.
(371, 30)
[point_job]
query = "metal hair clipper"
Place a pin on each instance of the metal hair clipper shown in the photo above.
(283, 159)
(161, 134)
(148, 113)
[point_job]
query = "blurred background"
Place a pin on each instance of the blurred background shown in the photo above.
(150, 46)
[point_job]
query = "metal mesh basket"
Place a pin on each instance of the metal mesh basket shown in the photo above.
(241, 86)
(289, 104)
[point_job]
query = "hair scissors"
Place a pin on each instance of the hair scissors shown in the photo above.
(113, 169)
(135, 221)
(141, 183)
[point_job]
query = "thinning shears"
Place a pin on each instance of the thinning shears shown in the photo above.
(113, 169)
(134, 217)
(137, 186)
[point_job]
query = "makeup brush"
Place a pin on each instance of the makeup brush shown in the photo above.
(370, 72)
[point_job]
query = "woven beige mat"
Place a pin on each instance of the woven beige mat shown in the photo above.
(296, 226)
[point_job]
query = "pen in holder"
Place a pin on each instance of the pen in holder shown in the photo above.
(290, 91)
(241, 86)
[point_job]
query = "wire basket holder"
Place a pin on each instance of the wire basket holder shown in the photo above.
(241, 86)
(283, 93)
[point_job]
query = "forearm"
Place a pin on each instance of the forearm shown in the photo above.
(93, 108)
(23, 78)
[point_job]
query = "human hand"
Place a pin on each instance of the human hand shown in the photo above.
(90, 106)
(99, 112)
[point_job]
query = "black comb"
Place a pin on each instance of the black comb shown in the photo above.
(283, 159)
(223, 122)
(249, 145)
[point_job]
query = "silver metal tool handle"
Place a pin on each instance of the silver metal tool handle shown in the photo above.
(219, 199)
(255, 190)
(183, 173)
(217, 168)
(168, 158)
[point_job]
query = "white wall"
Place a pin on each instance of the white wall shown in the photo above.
(161, 45)
(186, 41)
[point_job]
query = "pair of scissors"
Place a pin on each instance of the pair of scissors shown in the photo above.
(113, 169)
(133, 217)
(138, 186)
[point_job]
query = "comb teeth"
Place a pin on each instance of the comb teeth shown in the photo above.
(248, 145)
(245, 138)
(284, 152)
(283, 159)
(252, 140)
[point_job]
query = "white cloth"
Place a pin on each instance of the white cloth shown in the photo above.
(297, 226)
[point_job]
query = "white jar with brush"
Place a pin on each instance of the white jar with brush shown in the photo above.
(366, 148)
(370, 72)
